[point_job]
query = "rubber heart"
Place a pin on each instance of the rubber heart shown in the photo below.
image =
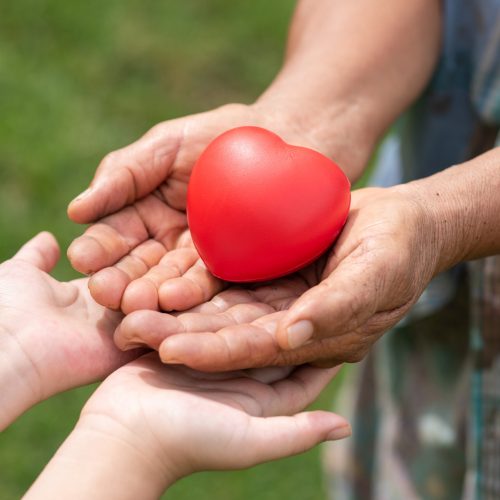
(259, 208)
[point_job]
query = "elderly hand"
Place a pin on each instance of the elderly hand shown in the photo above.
(139, 246)
(329, 313)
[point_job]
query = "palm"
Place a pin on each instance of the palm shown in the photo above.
(175, 408)
(62, 335)
(252, 310)
(144, 189)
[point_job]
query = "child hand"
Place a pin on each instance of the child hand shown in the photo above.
(53, 336)
(149, 424)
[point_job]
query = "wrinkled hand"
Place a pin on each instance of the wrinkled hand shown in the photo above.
(141, 252)
(328, 314)
(178, 418)
(53, 336)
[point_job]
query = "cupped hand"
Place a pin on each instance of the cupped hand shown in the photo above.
(328, 314)
(53, 336)
(139, 249)
(183, 421)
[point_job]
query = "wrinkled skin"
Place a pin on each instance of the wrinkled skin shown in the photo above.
(375, 272)
(144, 262)
(139, 247)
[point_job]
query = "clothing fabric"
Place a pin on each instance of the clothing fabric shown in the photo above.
(425, 404)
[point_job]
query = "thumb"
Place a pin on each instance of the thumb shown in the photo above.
(128, 174)
(279, 437)
(42, 251)
(341, 303)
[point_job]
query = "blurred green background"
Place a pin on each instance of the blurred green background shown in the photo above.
(81, 78)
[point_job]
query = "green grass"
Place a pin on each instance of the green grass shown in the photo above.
(81, 78)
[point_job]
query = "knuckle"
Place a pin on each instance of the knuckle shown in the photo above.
(356, 356)
(110, 159)
(159, 129)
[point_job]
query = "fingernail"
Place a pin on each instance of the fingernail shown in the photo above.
(339, 433)
(167, 356)
(299, 333)
(168, 360)
(133, 345)
(83, 195)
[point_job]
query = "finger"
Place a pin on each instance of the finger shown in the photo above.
(151, 328)
(254, 345)
(277, 437)
(269, 374)
(108, 285)
(278, 294)
(343, 302)
(175, 267)
(140, 295)
(128, 174)
(145, 328)
(136, 330)
(103, 244)
(325, 363)
(287, 394)
(282, 293)
(225, 300)
(301, 388)
(42, 251)
(246, 345)
(242, 347)
(194, 287)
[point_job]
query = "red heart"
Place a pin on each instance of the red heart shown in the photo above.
(259, 208)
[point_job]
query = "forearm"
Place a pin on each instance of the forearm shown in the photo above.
(351, 68)
(463, 204)
(18, 388)
(94, 463)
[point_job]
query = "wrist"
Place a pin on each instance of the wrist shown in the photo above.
(102, 459)
(336, 126)
(461, 207)
(432, 235)
(20, 387)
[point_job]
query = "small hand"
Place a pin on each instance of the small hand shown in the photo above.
(149, 425)
(195, 421)
(328, 314)
(53, 336)
(141, 253)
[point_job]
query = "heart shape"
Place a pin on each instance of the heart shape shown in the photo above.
(259, 208)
